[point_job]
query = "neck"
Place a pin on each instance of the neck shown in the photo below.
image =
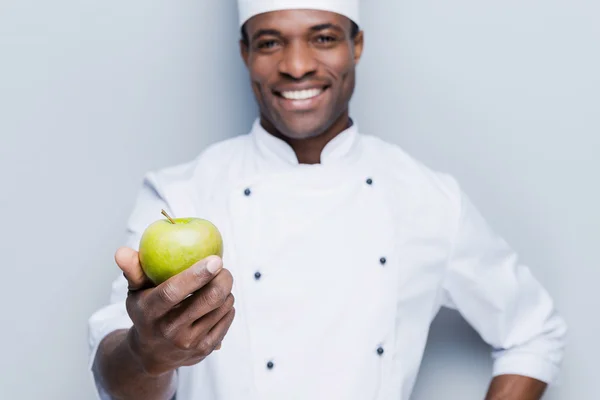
(308, 150)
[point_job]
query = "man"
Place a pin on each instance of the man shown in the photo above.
(343, 249)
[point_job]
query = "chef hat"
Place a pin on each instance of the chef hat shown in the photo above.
(250, 8)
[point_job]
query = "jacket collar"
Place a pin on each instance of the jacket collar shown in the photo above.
(276, 151)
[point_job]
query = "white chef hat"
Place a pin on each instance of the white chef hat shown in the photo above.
(249, 8)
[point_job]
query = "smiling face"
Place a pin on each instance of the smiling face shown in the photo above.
(302, 69)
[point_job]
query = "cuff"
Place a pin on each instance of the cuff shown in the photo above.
(103, 322)
(529, 365)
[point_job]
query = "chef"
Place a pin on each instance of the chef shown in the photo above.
(340, 249)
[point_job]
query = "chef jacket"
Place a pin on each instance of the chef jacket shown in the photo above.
(339, 268)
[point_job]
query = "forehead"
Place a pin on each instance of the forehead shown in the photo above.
(293, 21)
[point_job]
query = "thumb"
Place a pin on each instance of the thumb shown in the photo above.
(128, 261)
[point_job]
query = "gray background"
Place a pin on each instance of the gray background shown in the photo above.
(504, 95)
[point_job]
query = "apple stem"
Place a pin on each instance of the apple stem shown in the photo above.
(168, 217)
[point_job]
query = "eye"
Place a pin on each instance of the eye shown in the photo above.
(325, 39)
(267, 44)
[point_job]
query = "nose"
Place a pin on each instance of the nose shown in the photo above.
(298, 61)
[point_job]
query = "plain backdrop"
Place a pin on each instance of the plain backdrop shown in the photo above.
(503, 95)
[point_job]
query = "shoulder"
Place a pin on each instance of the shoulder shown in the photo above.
(209, 162)
(401, 166)
(179, 188)
(417, 192)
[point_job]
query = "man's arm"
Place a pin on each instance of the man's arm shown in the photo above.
(177, 323)
(515, 387)
(138, 341)
(502, 300)
(121, 375)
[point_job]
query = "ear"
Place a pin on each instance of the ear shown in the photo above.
(358, 46)
(244, 52)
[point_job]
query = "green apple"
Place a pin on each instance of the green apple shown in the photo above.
(170, 246)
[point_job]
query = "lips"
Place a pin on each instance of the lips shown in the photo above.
(301, 99)
(302, 94)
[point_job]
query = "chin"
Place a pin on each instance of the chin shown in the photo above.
(302, 127)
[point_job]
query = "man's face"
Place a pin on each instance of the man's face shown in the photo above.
(302, 68)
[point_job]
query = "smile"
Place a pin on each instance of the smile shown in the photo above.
(301, 100)
(302, 94)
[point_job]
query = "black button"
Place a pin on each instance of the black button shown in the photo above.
(369, 181)
(382, 260)
(247, 192)
(270, 365)
(257, 275)
(380, 350)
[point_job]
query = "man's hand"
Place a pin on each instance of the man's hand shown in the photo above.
(181, 321)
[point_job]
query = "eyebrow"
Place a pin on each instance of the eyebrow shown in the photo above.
(262, 32)
(328, 25)
(314, 28)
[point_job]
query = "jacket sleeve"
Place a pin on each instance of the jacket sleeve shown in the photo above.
(501, 299)
(113, 316)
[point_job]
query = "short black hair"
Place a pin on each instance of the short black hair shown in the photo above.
(246, 40)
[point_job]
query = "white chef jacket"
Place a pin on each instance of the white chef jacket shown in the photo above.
(339, 269)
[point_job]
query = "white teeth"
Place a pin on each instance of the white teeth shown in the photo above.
(302, 94)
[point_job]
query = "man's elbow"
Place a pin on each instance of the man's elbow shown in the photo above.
(539, 355)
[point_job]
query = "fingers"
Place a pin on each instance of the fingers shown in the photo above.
(192, 333)
(215, 336)
(173, 291)
(128, 261)
(212, 340)
(209, 321)
(215, 296)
